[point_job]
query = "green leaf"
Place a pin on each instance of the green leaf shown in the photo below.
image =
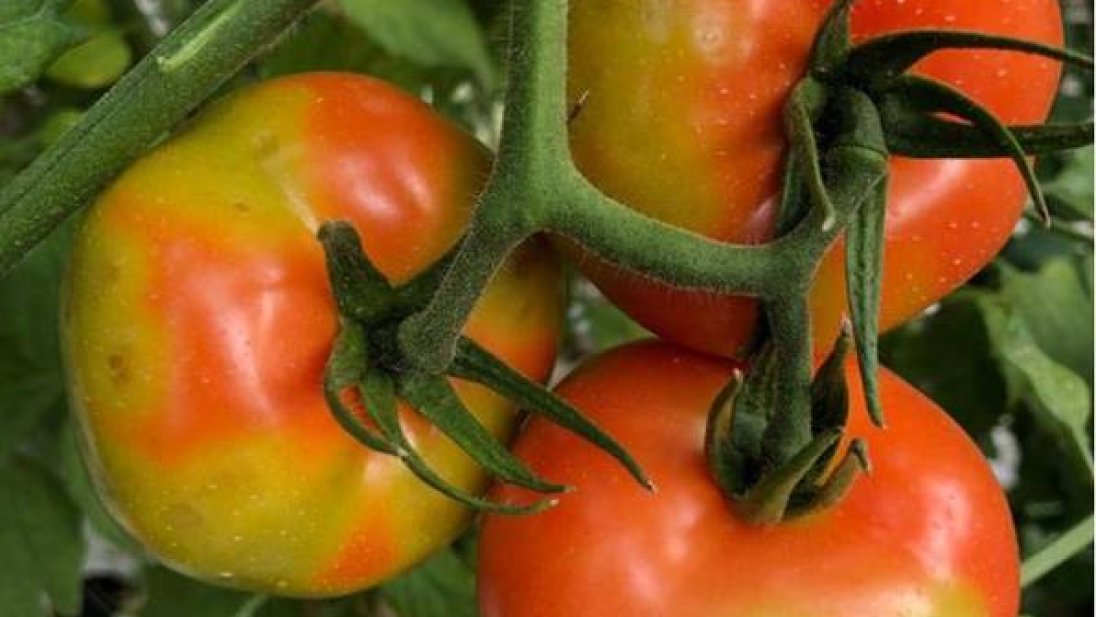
(1036, 244)
(40, 540)
(96, 63)
(172, 595)
(80, 487)
(99, 61)
(969, 384)
(326, 41)
(1070, 193)
(430, 32)
(32, 34)
(595, 324)
(322, 41)
(1056, 305)
(1058, 397)
(57, 123)
(444, 586)
(16, 151)
(31, 382)
(90, 12)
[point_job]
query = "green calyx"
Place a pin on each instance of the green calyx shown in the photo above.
(911, 106)
(766, 491)
(856, 106)
(852, 111)
(770, 446)
(364, 380)
(909, 109)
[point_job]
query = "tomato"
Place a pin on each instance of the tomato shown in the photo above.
(198, 321)
(927, 534)
(683, 122)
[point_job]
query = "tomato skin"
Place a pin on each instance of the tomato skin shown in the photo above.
(198, 321)
(927, 534)
(683, 122)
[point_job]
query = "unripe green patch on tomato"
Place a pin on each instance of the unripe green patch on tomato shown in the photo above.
(199, 318)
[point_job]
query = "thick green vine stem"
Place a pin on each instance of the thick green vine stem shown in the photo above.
(143, 106)
(775, 433)
(853, 104)
(536, 186)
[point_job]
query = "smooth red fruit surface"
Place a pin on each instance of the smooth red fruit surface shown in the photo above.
(682, 121)
(199, 319)
(927, 534)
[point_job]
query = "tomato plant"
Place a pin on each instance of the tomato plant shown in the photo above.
(681, 119)
(297, 323)
(927, 533)
(198, 320)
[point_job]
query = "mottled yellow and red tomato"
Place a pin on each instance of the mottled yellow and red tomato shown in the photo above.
(927, 534)
(683, 122)
(198, 321)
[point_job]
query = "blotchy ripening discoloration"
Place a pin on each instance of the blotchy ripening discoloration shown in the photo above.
(199, 321)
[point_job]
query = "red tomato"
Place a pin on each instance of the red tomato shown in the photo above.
(683, 122)
(928, 534)
(199, 320)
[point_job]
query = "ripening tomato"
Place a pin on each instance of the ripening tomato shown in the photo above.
(198, 321)
(683, 122)
(927, 534)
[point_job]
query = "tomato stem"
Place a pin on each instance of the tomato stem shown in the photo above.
(428, 338)
(182, 71)
(836, 180)
(855, 106)
(364, 361)
(535, 186)
(788, 320)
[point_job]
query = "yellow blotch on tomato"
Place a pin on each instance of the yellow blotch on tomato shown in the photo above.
(198, 320)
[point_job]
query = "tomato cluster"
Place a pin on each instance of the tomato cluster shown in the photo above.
(199, 318)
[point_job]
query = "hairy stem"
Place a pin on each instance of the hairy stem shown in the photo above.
(789, 322)
(672, 255)
(534, 129)
(533, 143)
(428, 339)
(536, 186)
